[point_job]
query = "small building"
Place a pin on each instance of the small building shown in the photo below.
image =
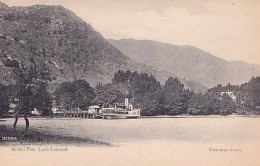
(94, 109)
(35, 112)
(13, 106)
(230, 94)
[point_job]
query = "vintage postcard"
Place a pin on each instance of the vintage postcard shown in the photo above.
(130, 83)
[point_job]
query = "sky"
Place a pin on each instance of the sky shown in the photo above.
(229, 29)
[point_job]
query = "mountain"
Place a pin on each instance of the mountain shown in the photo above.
(69, 46)
(187, 62)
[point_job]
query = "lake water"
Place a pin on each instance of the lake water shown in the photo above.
(154, 141)
(123, 131)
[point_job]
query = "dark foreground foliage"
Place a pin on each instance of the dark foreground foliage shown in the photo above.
(36, 137)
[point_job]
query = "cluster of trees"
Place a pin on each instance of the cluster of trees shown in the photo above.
(145, 91)
(153, 98)
(173, 99)
(209, 104)
(30, 88)
(246, 99)
(156, 99)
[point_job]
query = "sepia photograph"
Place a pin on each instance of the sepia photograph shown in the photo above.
(130, 83)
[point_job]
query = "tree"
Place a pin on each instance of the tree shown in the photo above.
(109, 95)
(250, 92)
(121, 76)
(76, 94)
(200, 104)
(226, 105)
(64, 95)
(147, 93)
(4, 100)
(84, 94)
(29, 79)
(175, 97)
(143, 88)
(43, 100)
(151, 103)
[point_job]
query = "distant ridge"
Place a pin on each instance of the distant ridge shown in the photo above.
(187, 62)
(69, 46)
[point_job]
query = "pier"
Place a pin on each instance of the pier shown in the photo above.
(75, 114)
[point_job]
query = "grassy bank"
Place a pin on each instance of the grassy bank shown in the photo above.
(33, 137)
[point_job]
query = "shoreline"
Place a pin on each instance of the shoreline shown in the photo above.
(201, 116)
(148, 117)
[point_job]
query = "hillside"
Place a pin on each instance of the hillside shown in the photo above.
(69, 46)
(187, 62)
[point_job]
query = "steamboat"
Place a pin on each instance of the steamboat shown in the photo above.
(125, 111)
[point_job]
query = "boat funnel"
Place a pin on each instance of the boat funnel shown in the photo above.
(126, 102)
